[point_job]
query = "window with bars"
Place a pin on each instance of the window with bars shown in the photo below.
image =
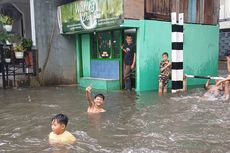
(106, 44)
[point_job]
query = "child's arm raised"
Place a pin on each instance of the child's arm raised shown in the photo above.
(222, 81)
(88, 96)
(207, 84)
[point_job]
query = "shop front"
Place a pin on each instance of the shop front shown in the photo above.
(100, 59)
(100, 28)
(99, 37)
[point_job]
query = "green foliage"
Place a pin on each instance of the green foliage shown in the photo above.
(6, 20)
(4, 36)
(27, 43)
(8, 52)
(68, 13)
(19, 48)
(110, 8)
(14, 38)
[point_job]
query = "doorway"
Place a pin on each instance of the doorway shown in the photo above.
(133, 33)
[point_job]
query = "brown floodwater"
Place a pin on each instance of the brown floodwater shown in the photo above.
(133, 123)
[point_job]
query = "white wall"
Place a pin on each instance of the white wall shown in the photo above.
(224, 9)
(224, 14)
(225, 25)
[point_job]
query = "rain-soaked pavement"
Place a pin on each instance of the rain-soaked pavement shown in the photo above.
(133, 123)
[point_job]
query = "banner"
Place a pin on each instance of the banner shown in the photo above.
(87, 15)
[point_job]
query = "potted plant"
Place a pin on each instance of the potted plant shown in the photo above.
(15, 39)
(19, 51)
(3, 36)
(7, 22)
(27, 44)
(7, 55)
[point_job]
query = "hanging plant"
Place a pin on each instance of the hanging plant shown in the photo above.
(6, 20)
(4, 37)
(19, 48)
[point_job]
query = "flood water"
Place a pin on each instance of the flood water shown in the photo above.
(133, 123)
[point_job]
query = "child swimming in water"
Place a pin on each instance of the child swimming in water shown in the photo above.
(215, 92)
(59, 135)
(96, 105)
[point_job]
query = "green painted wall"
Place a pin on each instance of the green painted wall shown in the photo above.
(85, 40)
(154, 38)
(78, 58)
(201, 48)
(157, 39)
(104, 84)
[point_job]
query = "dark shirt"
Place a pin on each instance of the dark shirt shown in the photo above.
(130, 50)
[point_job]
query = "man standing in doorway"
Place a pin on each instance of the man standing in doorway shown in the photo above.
(130, 60)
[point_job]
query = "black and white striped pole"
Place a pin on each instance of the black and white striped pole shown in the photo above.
(177, 51)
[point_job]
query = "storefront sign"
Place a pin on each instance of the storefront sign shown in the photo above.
(87, 15)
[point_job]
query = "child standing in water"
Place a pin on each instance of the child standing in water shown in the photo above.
(165, 71)
(96, 104)
(226, 81)
(129, 50)
(227, 55)
(59, 135)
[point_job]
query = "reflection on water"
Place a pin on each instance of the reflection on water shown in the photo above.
(132, 124)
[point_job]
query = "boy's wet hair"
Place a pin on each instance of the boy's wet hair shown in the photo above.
(61, 118)
(99, 95)
(165, 53)
(128, 35)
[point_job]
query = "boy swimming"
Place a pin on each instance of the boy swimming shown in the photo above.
(217, 91)
(96, 105)
(59, 135)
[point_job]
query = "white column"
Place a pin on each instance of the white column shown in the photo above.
(177, 51)
(32, 18)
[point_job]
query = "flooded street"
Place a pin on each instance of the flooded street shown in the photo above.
(132, 124)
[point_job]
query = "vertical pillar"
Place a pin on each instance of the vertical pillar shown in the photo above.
(177, 51)
(32, 18)
(2, 66)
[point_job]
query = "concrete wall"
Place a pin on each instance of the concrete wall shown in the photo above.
(225, 27)
(61, 68)
(201, 47)
(224, 42)
(23, 6)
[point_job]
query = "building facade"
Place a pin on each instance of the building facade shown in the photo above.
(82, 44)
(37, 19)
(101, 27)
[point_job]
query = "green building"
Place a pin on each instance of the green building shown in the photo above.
(100, 27)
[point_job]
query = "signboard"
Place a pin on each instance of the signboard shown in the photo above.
(87, 15)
